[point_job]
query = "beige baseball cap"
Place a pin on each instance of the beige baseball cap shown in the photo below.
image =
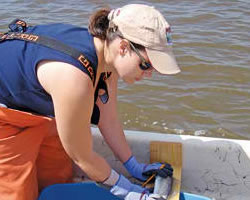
(144, 25)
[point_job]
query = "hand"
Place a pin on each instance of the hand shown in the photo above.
(143, 171)
(137, 196)
(123, 187)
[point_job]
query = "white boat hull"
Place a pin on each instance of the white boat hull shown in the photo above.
(212, 167)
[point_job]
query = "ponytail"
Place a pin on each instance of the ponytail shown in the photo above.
(99, 23)
(99, 27)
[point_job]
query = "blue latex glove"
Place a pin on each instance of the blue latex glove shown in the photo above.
(123, 187)
(143, 171)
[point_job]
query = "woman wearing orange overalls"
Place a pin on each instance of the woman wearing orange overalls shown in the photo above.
(48, 99)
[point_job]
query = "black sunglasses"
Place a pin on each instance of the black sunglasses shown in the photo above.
(144, 64)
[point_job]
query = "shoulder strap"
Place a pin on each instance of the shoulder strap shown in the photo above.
(17, 29)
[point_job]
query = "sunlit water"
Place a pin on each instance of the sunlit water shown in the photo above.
(211, 97)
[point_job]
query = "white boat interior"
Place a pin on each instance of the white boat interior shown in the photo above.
(212, 167)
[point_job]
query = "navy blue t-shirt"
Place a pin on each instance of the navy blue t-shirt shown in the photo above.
(19, 86)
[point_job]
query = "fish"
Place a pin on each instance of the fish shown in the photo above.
(162, 190)
(162, 187)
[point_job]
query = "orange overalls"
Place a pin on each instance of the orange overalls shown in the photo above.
(31, 155)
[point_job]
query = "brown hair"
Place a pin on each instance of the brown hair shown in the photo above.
(99, 23)
(99, 27)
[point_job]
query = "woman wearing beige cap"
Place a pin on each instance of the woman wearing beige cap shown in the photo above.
(57, 79)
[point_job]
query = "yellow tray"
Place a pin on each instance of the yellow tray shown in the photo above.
(169, 152)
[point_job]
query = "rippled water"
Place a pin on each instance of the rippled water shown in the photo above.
(211, 97)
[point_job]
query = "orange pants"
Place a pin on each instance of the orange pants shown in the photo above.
(31, 155)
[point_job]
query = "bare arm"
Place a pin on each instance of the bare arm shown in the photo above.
(72, 94)
(110, 125)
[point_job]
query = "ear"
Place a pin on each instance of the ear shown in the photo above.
(124, 47)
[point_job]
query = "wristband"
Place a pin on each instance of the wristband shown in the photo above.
(112, 179)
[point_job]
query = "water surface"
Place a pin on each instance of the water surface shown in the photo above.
(211, 97)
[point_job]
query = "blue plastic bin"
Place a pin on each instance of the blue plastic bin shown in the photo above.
(76, 191)
(90, 191)
(188, 196)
